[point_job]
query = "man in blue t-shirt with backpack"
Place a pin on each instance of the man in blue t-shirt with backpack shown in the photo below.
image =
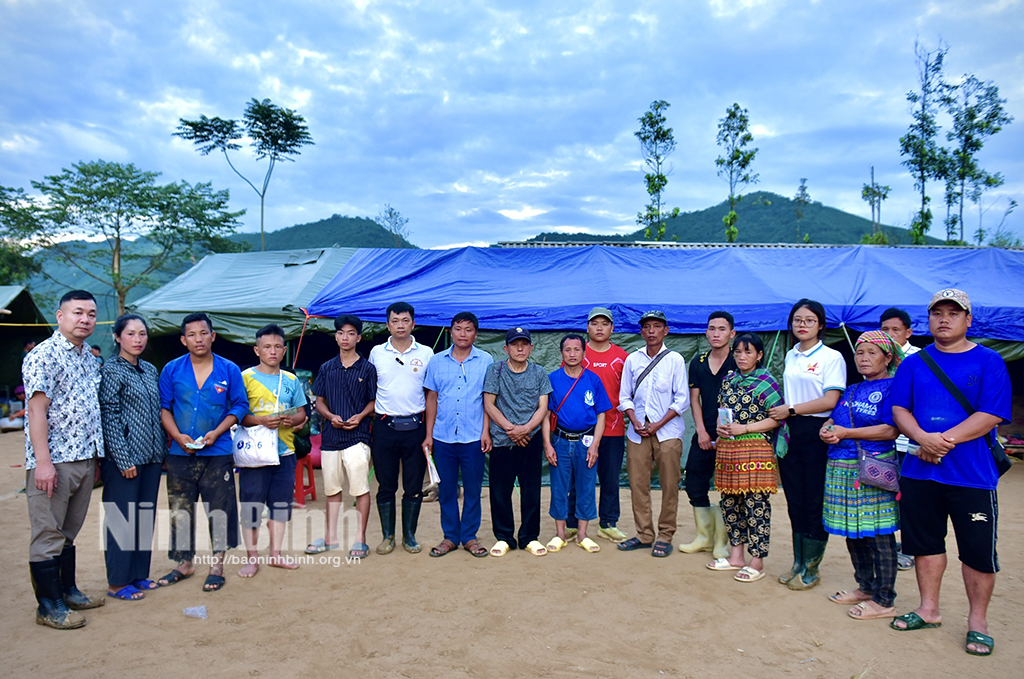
(953, 475)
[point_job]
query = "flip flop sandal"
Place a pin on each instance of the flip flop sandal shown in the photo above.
(867, 613)
(847, 598)
(555, 544)
(476, 549)
(589, 545)
(722, 564)
(443, 548)
(145, 584)
(500, 548)
(913, 622)
(535, 548)
(319, 546)
(980, 639)
(175, 576)
(127, 593)
(213, 583)
(748, 574)
(360, 550)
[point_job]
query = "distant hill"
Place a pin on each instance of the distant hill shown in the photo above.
(764, 218)
(346, 232)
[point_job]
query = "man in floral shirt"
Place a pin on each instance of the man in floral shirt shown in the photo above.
(63, 438)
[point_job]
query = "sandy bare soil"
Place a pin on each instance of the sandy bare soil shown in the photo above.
(610, 614)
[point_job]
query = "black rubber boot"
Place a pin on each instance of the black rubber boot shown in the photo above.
(798, 560)
(387, 525)
(410, 518)
(52, 611)
(813, 552)
(75, 598)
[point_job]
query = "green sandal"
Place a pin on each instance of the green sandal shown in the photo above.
(981, 640)
(913, 622)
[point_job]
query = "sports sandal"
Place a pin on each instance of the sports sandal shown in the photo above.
(555, 544)
(500, 548)
(589, 545)
(661, 549)
(632, 544)
(748, 574)
(534, 547)
(476, 549)
(443, 548)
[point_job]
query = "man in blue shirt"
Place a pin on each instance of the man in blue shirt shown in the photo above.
(457, 433)
(953, 475)
(201, 396)
(578, 404)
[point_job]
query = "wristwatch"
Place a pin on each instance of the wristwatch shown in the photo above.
(792, 411)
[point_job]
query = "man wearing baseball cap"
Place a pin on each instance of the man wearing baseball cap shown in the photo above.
(953, 475)
(653, 396)
(516, 399)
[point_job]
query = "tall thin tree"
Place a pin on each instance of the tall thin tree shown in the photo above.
(734, 166)
(656, 143)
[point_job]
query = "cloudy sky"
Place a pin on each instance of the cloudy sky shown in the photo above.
(484, 121)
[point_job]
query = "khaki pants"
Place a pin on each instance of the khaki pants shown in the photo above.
(56, 520)
(640, 461)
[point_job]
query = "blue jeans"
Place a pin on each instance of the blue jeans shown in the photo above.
(450, 458)
(572, 465)
(609, 466)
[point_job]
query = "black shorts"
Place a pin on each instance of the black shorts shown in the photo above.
(926, 507)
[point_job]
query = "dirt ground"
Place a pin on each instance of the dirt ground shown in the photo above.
(610, 614)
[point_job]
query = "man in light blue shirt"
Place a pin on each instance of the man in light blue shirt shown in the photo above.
(457, 433)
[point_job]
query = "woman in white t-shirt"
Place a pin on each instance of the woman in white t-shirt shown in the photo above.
(814, 379)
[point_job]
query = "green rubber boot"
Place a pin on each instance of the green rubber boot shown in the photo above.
(798, 560)
(704, 517)
(387, 524)
(813, 553)
(722, 548)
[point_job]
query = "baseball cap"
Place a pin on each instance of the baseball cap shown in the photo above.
(958, 297)
(654, 314)
(517, 333)
(599, 311)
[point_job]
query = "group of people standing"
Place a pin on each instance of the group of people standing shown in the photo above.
(405, 407)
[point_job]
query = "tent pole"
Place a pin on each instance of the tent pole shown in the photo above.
(299, 348)
(848, 340)
(771, 353)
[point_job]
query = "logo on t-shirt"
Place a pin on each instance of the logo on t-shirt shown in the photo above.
(588, 398)
(220, 388)
(875, 397)
(812, 367)
(972, 380)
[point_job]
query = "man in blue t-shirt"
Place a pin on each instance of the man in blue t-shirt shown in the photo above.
(201, 396)
(578, 403)
(953, 473)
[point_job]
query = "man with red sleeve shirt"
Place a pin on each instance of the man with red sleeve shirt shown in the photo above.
(606, 360)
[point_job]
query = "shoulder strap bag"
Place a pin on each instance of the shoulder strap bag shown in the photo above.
(1002, 460)
(872, 471)
(647, 371)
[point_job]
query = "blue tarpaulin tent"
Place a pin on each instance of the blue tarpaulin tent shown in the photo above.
(554, 288)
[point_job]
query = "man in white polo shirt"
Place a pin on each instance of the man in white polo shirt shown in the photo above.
(399, 429)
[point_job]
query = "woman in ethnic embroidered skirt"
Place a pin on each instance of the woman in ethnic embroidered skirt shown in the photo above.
(745, 468)
(866, 516)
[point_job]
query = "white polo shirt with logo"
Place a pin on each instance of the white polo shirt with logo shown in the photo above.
(808, 375)
(400, 378)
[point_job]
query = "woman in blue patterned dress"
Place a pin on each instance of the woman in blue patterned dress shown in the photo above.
(865, 515)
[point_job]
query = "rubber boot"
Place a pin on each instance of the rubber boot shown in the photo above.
(387, 524)
(813, 553)
(722, 548)
(75, 598)
(704, 517)
(798, 560)
(52, 611)
(410, 518)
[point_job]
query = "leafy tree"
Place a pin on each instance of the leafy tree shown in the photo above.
(115, 204)
(16, 260)
(392, 221)
(656, 144)
(801, 200)
(276, 134)
(874, 194)
(977, 112)
(733, 136)
(923, 157)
